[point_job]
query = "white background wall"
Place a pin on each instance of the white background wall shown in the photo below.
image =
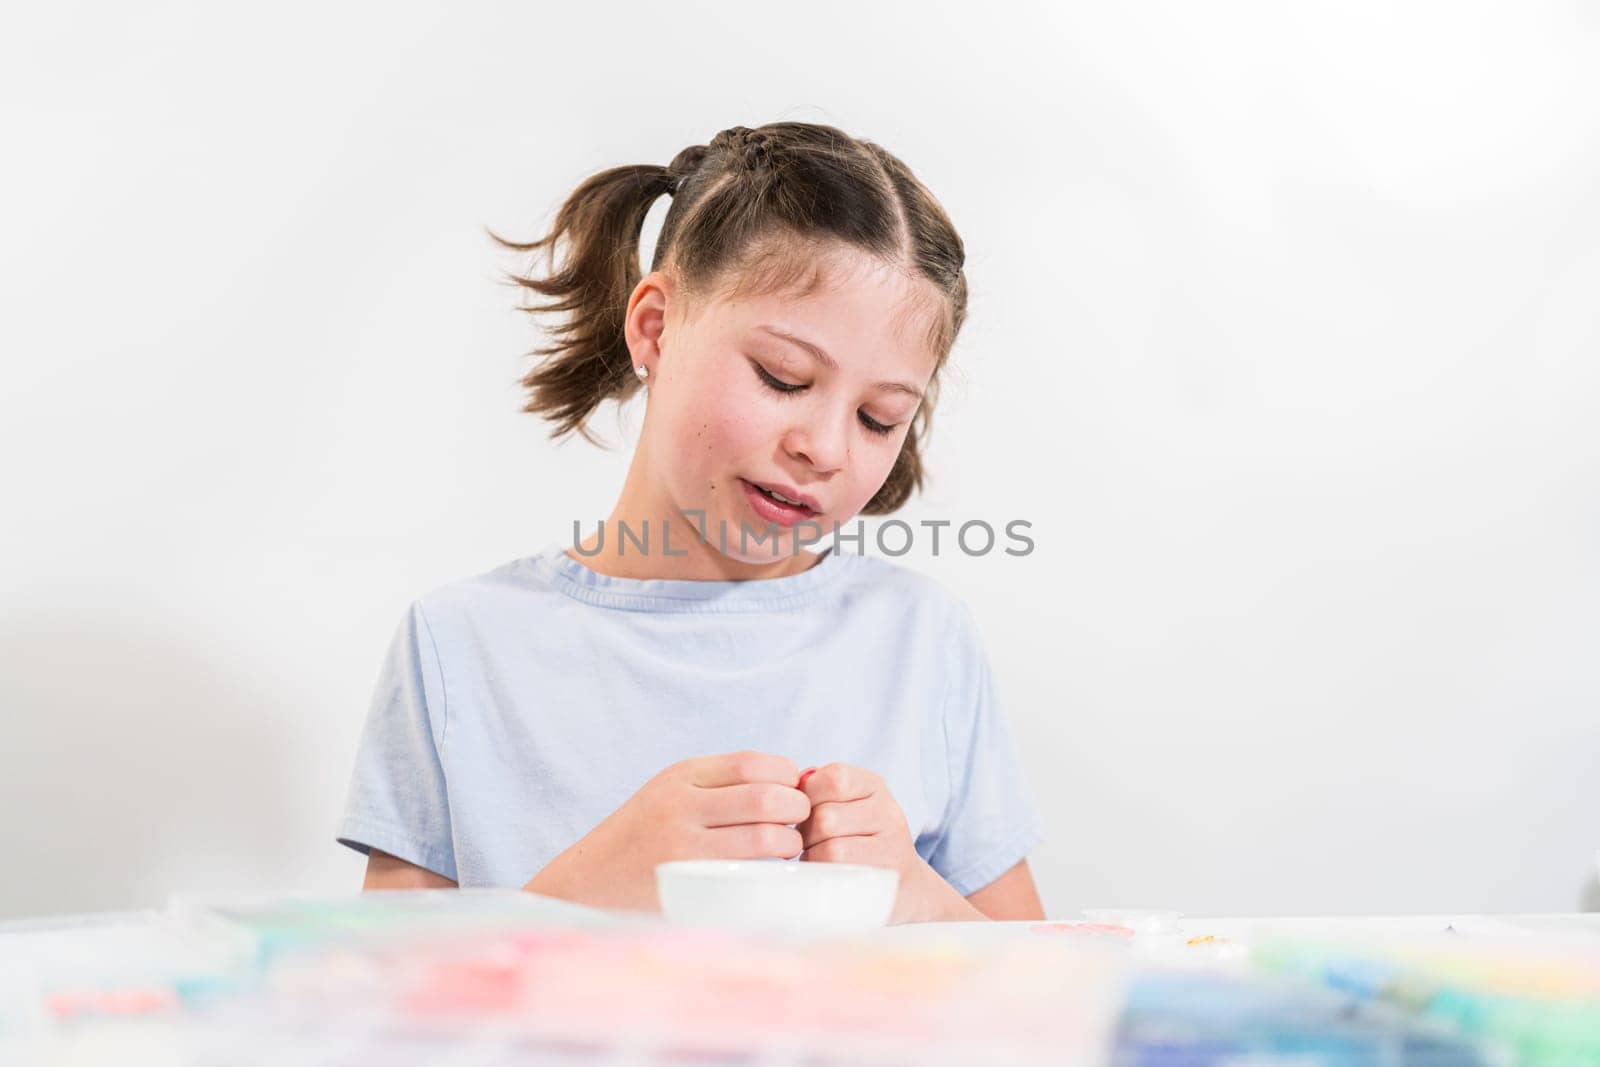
(1284, 336)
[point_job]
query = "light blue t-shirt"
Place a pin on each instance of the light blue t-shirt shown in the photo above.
(518, 708)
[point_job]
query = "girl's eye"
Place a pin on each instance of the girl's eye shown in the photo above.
(872, 425)
(782, 387)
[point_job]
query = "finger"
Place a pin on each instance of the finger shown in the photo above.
(840, 783)
(837, 819)
(737, 768)
(754, 841)
(732, 805)
(862, 850)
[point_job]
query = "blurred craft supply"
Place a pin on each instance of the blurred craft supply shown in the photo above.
(500, 976)
(503, 976)
(1532, 992)
(1139, 920)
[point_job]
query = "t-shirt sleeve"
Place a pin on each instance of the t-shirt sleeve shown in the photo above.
(397, 801)
(991, 821)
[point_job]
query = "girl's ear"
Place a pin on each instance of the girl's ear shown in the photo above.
(647, 318)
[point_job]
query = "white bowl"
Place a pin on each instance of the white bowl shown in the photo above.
(777, 894)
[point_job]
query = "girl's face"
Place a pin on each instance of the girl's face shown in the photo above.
(731, 401)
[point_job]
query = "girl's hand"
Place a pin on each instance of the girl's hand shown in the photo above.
(855, 819)
(741, 805)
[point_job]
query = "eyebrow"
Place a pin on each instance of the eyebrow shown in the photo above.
(829, 362)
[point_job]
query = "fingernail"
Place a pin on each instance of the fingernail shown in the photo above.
(807, 773)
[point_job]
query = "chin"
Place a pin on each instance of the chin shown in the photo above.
(773, 547)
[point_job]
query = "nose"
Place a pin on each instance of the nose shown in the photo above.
(823, 441)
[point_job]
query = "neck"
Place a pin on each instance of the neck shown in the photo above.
(671, 547)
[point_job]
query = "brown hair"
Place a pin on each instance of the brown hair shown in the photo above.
(742, 206)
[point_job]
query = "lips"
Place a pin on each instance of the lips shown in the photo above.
(808, 504)
(774, 511)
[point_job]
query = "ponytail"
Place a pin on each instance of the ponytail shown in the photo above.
(588, 361)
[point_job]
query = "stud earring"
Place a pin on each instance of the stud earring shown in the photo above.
(642, 372)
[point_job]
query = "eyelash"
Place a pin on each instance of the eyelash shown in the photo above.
(871, 425)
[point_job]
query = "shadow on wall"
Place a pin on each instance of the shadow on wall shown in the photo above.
(134, 768)
(1589, 896)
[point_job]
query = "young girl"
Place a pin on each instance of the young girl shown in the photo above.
(690, 682)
